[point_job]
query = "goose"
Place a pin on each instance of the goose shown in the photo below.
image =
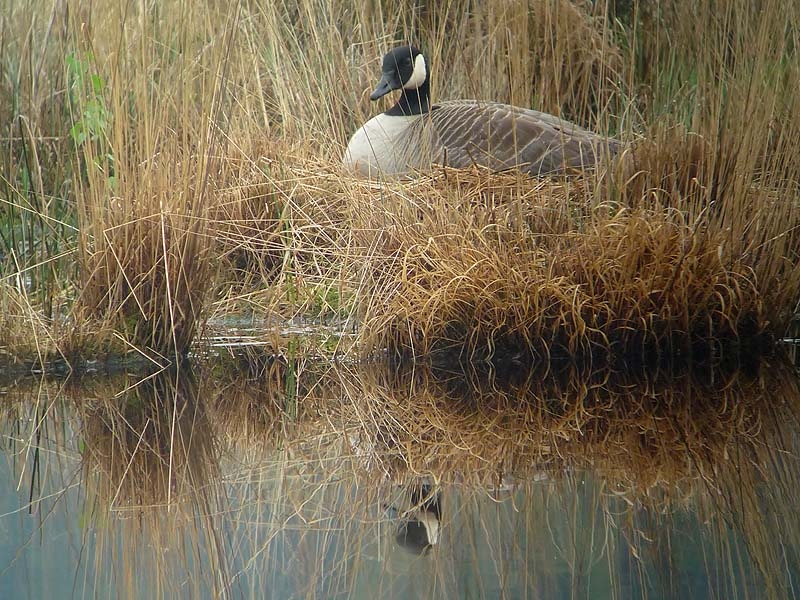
(418, 532)
(413, 134)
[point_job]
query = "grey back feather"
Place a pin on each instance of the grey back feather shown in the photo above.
(462, 133)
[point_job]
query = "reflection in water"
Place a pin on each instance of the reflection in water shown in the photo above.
(148, 458)
(418, 530)
(265, 477)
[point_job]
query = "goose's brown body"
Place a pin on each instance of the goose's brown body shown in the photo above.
(500, 136)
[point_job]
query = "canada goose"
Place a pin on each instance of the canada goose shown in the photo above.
(414, 133)
(418, 532)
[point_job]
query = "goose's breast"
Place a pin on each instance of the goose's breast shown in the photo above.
(381, 146)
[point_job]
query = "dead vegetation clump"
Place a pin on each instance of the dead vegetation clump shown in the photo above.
(282, 234)
(215, 171)
(147, 264)
(248, 222)
(26, 337)
(582, 282)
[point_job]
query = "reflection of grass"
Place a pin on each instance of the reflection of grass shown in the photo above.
(663, 450)
(619, 478)
(149, 462)
(200, 164)
(666, 432)
(680, 446)
(148, 443)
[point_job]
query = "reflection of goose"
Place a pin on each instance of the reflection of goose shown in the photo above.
(418, 532)
(414, 133)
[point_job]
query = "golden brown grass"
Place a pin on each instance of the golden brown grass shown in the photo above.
(206, 177)
(542, 273)
(27, 337)
(284, 240)
(689, 245)
(148, 267)
(144, 199)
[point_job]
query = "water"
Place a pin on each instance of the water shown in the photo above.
(256, 477)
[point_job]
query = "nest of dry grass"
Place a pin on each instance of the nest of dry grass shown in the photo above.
(532, 270)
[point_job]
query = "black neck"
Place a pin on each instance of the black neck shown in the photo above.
(412, 102)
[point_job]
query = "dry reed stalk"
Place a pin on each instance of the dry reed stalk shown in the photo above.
(578, 65)
(248, 225)
(557, 56)
(147, 266)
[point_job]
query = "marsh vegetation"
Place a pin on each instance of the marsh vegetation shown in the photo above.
(171, 192)
(166, 165)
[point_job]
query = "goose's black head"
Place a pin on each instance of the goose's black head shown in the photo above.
(406, 69)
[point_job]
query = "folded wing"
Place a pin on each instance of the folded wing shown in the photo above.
(502, 137)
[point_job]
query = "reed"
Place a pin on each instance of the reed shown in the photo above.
(143, 199)
(706, 195)
(166, 164)
(37, 224)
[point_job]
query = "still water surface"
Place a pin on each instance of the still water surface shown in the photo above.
(256, 477)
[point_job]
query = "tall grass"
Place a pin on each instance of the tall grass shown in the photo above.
(144, 194)
(165, 164)
(37, 219)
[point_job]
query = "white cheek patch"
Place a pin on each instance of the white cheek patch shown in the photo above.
(418, 76)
